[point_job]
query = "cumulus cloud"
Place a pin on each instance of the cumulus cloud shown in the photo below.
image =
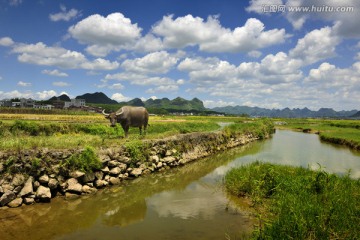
(55, 73)
(210, 36)
(23, 84)
(316, 45)
(120, 97)
(105, 34)
(6, 42)
(41, 54)
(44, 95)
(345, 20)
(153, 63)
(64, 15)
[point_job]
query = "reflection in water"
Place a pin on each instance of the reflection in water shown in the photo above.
(183, 203)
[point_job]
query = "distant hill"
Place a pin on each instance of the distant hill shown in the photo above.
(176, 104)
(356, 115)
(62, 97)
(285, 113)
(97, 97)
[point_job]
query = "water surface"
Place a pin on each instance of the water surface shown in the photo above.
(182, 203)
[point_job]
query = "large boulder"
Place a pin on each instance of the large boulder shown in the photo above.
(28, 187)
(74, 186)
(7, 197)
(43, 193)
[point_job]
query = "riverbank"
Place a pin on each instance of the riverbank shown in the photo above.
(343, 132)
(297, 203)
(38, 175)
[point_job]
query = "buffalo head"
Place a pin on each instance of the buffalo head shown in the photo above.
(112, 117)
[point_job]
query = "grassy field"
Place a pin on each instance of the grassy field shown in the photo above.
(23, 131)
(297, 203)
(345, 132)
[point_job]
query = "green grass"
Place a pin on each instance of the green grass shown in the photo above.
(345, 132)
(258, 128)
(297, 203)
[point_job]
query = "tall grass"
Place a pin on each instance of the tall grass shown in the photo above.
(297, 203)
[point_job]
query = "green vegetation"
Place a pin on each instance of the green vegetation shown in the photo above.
(297, 203)
(85, 161)
(345, 132)
(259, 128)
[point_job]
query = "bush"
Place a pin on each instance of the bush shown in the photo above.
(85, 161)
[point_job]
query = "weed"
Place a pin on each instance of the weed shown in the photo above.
(85, 161)
(298, 203)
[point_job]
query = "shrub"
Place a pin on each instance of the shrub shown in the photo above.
(85, 161)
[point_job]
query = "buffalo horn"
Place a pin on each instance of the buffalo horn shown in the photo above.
(117, 114)
(103, 112)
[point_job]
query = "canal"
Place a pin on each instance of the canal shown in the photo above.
(183, 203)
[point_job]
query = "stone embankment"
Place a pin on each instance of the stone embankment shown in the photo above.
(30, 176)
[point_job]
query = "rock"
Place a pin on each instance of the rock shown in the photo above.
(1, 167)
(74, 186)
(115, 171)
(88, 190)
(76, 174)
(1, 190)
(154, 159)
(113, 163)
(29, 200)
(88, 177)
(99, 175)
(15, 203)
(7, 187)
(136, 172)
(36, 184)
(7, 197)
(169, 159)
(100, 183)
(168, 153)
(105, 170)
(43, 193)
(114, 181)
(122, 167)
(44, 179)
(18, 180)
(159, 165)
(28, 187)
(53, 183)
(125, 160)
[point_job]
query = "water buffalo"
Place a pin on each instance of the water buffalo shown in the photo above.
(129, 116)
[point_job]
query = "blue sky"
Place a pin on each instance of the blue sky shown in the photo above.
(256, 53)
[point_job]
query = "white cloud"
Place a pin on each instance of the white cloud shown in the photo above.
(6, 42)
(346, 21)
(61, 84)
(260, 6)
(212, 37)
(105, 34)
(218, 103)
(120, 97)
(254, 54)
(100, 64)
(153, 63)
(44, 95)
(64, 15)
(41, 54)
(148, 43)
(55, 73)
(23, 84)
(117, 86)
(317, 45)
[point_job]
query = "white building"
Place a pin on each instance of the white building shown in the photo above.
(46, 107)
(75, 103)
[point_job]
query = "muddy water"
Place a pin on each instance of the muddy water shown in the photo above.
(183, 203)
